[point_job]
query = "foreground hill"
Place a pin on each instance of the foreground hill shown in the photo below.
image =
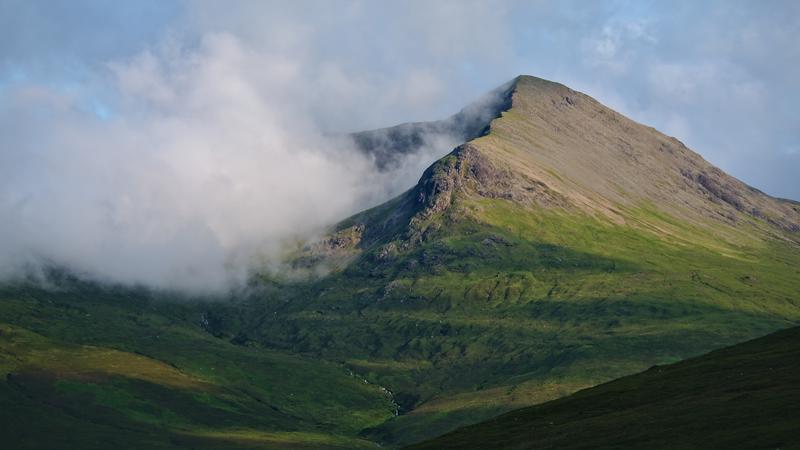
(745, 396)
(84, 366)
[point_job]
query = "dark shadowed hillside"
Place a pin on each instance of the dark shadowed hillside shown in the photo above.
(745, 396)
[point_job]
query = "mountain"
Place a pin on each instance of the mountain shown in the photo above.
(558, 246)
(564, 246)
(744, 396)
(559, 149)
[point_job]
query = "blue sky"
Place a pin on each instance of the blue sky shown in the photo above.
(149, 117)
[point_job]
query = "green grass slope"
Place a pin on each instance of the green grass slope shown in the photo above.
(504, 308)
(89, 367)
(745, 396)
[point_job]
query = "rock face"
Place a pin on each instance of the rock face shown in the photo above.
(335, 249)
(468, 171)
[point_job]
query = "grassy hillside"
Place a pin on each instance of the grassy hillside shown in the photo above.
(503, 308)
(90, 367)
(745, 396)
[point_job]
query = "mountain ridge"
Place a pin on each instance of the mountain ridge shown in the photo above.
(492, 164)
(545, 101)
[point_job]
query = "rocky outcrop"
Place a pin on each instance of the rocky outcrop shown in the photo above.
(471, 172)
(335, 248)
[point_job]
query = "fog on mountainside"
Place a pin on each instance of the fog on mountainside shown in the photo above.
(209, 168)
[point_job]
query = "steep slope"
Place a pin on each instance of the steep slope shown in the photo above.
(555, 147)
(602, 161)
(745, 396)
(564, 247)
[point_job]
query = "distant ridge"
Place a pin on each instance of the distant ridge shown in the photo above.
(387, 145)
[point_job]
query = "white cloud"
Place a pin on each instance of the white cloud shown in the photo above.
(210, 162)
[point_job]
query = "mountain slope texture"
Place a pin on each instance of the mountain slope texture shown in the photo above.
(560, 245)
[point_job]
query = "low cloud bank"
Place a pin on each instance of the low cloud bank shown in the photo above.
(194, 169)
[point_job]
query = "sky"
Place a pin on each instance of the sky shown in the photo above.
(177, 143)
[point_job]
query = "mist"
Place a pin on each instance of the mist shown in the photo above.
(208, 166)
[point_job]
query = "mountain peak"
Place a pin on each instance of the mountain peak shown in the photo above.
(541, 83)
(604, 162)
(544, 145)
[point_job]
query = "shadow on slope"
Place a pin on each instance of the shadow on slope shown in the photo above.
(744, 396)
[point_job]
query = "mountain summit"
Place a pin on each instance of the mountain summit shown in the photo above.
(547, 145)
(538, 143)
